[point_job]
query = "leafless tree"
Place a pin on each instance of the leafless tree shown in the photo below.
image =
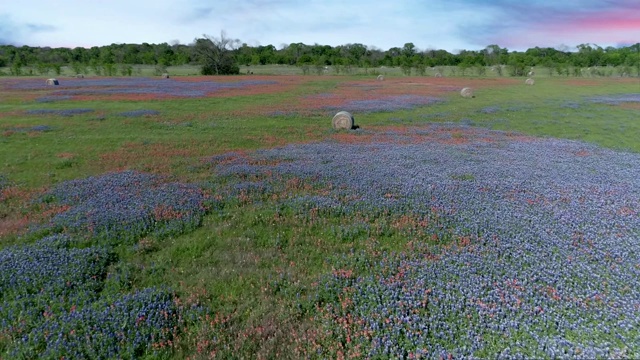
(215, 54)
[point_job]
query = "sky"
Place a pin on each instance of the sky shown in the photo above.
(452, 25)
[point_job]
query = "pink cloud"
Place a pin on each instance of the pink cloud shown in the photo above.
(609, 21)
(605, 28)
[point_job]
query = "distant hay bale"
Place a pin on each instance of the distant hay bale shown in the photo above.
(438, 74)
(165, 76)
(531, 73)
(467, 93)
(80, 76)
(52, 82)
(343, 120)
(380, 77)
(529, 81)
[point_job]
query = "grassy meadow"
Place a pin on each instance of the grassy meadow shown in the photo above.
(222, 217)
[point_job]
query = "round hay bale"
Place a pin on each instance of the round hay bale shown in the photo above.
(343, 120)
(529, 81)
(531, 73)
(79, 76)
(467, 93)
(438, 74)
(165, 76)
(380, 77)
(52, 82)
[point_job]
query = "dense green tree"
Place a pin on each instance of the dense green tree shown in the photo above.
(112, 59)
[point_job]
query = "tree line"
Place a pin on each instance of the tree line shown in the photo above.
(223, 55)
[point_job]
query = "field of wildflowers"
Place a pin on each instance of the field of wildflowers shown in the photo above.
(533, 253)
(59, 299)
(123, 207)
(157, 88)
(222, 217)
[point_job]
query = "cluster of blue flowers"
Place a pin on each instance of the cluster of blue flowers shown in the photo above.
(151, 86)
(51, 305)
(57, 299)
(45, 278)
(4, 182)
(570, 105)
(36, 128)
(129, 326)
(544, 257)
(390, 103)
(64, 112)
(616, 99)
(490, 109)
(47, 99)
(139, 113)
(121, 207)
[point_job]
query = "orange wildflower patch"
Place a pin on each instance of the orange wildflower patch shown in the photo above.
(15, 222)
(13, 225)
(66, 155)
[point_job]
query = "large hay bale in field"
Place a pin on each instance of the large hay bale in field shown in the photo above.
(80, 76)
(380, 77)
(529, 81)
(467, 93)
(165, 76)
(343, 120)
(438, 74)
(52, 82)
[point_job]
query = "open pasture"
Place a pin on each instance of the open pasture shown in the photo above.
(223, 217)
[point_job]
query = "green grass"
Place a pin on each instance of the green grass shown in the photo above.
(253, 265)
